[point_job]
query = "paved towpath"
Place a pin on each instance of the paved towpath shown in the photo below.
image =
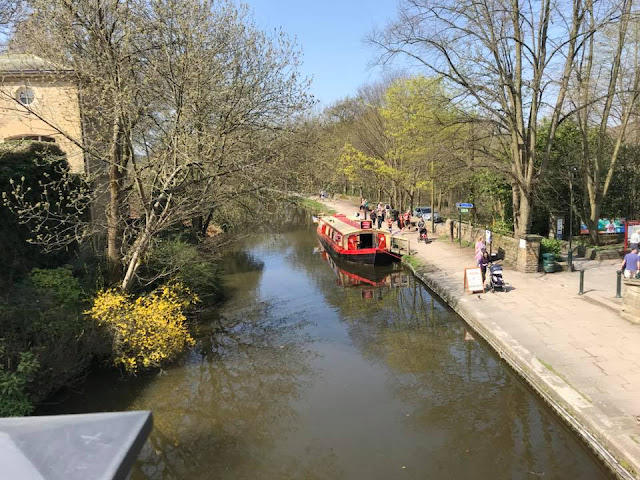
(576, 351)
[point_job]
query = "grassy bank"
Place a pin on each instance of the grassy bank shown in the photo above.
(314, 206)
(412, 261)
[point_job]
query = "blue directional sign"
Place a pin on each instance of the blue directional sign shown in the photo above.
(464, 205)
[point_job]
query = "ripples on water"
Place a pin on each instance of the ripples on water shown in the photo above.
(312, 370)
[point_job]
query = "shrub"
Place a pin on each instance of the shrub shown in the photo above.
(59, 283)
(551, 245)
(34, 162)
(187, 264)
(146, 331)
(42, 316)
(15, 401)
(502, 227)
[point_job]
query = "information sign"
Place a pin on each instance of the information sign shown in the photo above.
(464, 205)
(487, 236)
(464, 210)
(473, 280)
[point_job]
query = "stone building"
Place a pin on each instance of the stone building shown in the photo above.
(39, 101)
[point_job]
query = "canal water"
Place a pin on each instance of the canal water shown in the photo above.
(311, 370)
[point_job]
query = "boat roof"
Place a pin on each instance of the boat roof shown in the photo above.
(346, 225)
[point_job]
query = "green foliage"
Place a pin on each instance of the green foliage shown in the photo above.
(551, 245)
(412, 260)
(503, 227)
(33, 162)
(60, 284)
(15, 400)
(180, 260)
(42, 316)
(314, 206)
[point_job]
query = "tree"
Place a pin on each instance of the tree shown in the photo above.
(509, 60)
(607, 81)
(11, 11)
(187, 104)
(423, 125)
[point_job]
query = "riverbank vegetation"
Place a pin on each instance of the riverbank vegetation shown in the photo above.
(189, 113)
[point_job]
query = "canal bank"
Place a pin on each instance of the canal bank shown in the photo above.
(580, 357)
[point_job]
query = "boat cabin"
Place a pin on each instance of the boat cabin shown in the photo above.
(353, 234)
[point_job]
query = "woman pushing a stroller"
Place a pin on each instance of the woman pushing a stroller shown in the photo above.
(496, 282)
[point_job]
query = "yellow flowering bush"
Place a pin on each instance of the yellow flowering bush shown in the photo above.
(147, 330)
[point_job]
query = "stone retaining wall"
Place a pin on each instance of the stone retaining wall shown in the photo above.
(505, 246)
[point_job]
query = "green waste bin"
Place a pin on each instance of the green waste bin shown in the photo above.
(549, 262)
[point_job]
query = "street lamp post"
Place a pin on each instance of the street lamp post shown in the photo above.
(570, 253)
(433, 205)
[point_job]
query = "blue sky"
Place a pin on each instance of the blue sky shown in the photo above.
(330, 34)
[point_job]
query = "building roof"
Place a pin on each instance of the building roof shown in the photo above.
(27, 64)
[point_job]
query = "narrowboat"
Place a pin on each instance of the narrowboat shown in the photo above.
(357, 241)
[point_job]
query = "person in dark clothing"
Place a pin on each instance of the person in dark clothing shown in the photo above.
(483, 263)
(380, 219)
(373, 216)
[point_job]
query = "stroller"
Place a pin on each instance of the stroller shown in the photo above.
(496, 282)
(422, 232)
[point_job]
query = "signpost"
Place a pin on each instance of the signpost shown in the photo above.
(462, 208)
(473, 280)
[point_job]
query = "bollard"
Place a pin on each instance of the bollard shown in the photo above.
(581, 282)
(619, 284)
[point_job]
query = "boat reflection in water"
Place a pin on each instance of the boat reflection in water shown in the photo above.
(371, 280)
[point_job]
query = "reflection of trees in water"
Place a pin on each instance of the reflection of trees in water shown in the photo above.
(468, 402)
(224, 411)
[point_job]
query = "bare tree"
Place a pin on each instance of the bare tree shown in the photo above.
(11, 11)
(509, 60)
(606, 93)
(187, 104)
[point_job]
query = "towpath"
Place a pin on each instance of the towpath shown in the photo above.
(576, 351)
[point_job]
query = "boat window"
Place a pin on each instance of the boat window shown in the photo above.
(366, 240)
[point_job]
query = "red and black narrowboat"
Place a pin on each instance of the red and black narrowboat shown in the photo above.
(357, 241)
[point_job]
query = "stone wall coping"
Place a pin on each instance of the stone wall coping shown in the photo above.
(530, 237)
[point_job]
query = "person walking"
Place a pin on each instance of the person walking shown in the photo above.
(631, 264)
(479, 245)
(390, 223)
(373, 216)
(407, 219)
(380, 219)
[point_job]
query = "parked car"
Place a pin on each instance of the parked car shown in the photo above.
(425, 213)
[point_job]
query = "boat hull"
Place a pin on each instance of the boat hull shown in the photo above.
(370, 256)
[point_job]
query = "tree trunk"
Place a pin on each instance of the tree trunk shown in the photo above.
(139, 249)
(114, 230)
(592, 222)
(521, 212)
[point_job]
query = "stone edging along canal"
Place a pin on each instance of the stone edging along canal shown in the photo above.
(555, 391)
